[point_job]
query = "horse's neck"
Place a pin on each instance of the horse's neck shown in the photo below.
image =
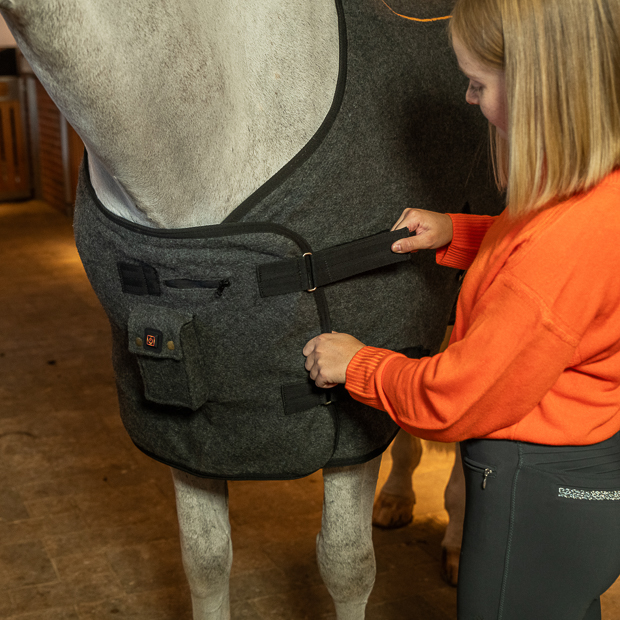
(190, 105)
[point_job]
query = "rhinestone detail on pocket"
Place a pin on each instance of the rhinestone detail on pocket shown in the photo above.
(570, 493)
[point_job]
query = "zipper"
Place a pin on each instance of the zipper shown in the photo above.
(218, 285)
(484, 470)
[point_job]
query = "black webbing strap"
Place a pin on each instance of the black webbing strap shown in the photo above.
(312, 270)
(298, 397)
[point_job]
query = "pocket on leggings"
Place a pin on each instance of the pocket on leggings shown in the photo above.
(484, 471)
(169, 355)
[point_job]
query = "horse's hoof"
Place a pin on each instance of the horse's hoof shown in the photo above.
(450, 565)
(392, 511)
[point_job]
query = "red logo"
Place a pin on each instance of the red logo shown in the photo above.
(151, 340)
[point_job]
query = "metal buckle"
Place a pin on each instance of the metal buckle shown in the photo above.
(310, 290)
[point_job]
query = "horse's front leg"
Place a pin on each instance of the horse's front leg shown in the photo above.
(394, 505)
(344, 546)
(202, 508)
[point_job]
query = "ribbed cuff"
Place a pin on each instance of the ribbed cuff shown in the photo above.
(468, 233)
(360, 380)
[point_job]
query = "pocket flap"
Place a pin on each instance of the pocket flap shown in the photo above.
(155, 331)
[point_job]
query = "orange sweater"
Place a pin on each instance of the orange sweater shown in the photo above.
(535, 351)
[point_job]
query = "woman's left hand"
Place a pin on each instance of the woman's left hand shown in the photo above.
(327, 358)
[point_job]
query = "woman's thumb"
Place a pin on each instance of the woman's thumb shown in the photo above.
(402, 246)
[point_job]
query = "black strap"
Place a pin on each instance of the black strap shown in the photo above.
(298, 397)
(312, 270)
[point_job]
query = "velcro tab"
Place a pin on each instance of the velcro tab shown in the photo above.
(139, 279)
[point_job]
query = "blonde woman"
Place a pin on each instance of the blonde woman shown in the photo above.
(530, 383)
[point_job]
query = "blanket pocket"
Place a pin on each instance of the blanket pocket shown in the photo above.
(169, 354)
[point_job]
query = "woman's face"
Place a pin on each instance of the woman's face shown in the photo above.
(487, 88)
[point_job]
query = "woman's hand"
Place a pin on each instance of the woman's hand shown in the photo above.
(432, 231)
(327, 358)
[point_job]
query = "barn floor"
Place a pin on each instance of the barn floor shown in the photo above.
(87, 522)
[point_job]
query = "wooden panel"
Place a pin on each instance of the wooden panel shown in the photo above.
(14, 174)
(59, 155)
(50, 151)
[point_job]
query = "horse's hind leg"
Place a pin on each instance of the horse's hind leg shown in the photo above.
(344, 546)
(454, 497)
(202, 508)
(394, 505)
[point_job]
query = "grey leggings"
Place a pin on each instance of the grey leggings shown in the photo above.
(542, 530)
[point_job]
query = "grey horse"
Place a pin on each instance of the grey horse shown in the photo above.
(327, 117)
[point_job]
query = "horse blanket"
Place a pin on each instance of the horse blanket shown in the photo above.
(209, 323)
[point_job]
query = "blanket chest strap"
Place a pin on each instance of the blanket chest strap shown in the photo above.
(329, 265)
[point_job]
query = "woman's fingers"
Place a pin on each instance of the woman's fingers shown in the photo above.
(406, 219)
(432, 230)
(328, 356)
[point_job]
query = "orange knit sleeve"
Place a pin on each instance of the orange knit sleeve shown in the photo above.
(486, 382)
(360, 371)
(469, 231)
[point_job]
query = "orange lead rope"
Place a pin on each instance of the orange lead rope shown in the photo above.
(416, 19)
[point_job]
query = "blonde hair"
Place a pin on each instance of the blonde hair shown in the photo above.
(562, 66)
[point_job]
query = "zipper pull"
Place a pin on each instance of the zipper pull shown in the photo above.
(487, 473)
(222, 285)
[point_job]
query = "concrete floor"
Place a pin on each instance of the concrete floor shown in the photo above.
(87, 522)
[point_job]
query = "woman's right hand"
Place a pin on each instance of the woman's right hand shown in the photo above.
(432, 230)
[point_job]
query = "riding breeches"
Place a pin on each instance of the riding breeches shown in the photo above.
(542, 530)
